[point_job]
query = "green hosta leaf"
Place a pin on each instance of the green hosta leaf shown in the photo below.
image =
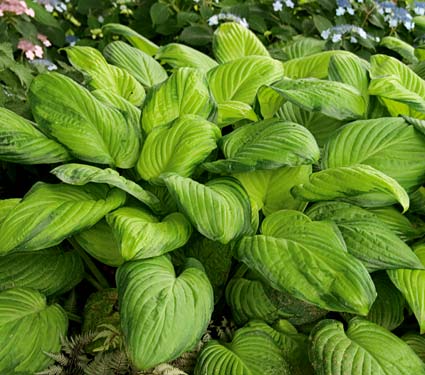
(411, 284)
(300, 47)
(267, 144)
(321, 126)
(239, 80)
(232, 41)
(404, 49)
(220, 209)
(269, 101)
(216, 259)
(184, 92)
(80, 174)
(334, 99)
(294, 345)
(387, 144)
(50, 213)
(50, 271)
(92, 131)
(99, 241)
(141, 235)
(251, 352)
(21, 142)
(304, 258)
(358, 184)
(366, 237)
(399, 88)
(233, 111)
(139, 64)
(137, 40)
(177, 147)
(162, 314)
(28, 328)
(365, 348)
(104, 76)
(314, 66)
(388, 308)
(417, 343)
(180, 56)
(6, 206)
(271, 189)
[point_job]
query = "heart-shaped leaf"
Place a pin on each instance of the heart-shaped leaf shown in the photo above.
(142, 235)
(28, 329)
(220, 209)
(233, 111)
(162, 314)
(365, 348)
(305, 259)
(50, 213)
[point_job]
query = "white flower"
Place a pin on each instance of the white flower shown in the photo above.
(213, 20)
(393, 22)
(378, 39)
(196, 1)
(244, 23)
(100, 19)
(49, 8)
(325, 34)
(353, 39)
(336, 38)
(289, 3)
(350, 11)
(419, 11)
(362, 33)
(277, 6)
(409, 25)
(340, 11)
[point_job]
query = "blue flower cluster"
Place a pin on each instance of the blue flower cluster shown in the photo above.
(419, 8)
(336, 33)
(395, 15)
(51, 5)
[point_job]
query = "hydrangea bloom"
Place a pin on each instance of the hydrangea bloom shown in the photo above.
(214, 20)
(395, 15)
(51, 5)
(336, 33)
(419, 8)
(31, 50)
(15, 7)
(43, 39)
(344, 6)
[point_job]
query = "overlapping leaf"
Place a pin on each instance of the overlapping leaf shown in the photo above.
(365, 348)
(91, 130)
(28, 328)
(305, 259)
(232, 111)
(21, 142)
(177, 147)
(267, 144)
(162, 314)
(184, 92)
(220, 209)
(50, 213)
(142, 235)
(358, 184)
(50, 271)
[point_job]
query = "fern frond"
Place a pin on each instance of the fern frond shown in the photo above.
(115, 363)
(52, 370)
(60, 358)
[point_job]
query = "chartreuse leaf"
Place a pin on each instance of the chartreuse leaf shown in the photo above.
(220, 209)
(162, 314)
(50, 213)
(388, 308)
(387, 144)
(398, 87)
(271, 189)
(179, 56)
(50, 271)
(177, 147)
(334, 99)
(232, 41)
(91, 130)
(81, 174)
(139, 64)
(233, 111)
(314, 66)
(141, 235)
(416, 342)
(365, 348)
(104, 76)
(184, 92)
(251, 352)
(21, 142)
(137, 40)
(28, 328)
(294, 345)
(305, 258)
(366, 237)
(267, 144)
(411, 284)
(359, 184)
(99, 241)
(6, 206)
(404, 49)
(239, 80)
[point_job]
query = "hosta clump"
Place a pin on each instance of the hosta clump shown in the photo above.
(227, 185)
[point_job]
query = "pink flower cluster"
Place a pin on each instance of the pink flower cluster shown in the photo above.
(15, 7)
(31, 50)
